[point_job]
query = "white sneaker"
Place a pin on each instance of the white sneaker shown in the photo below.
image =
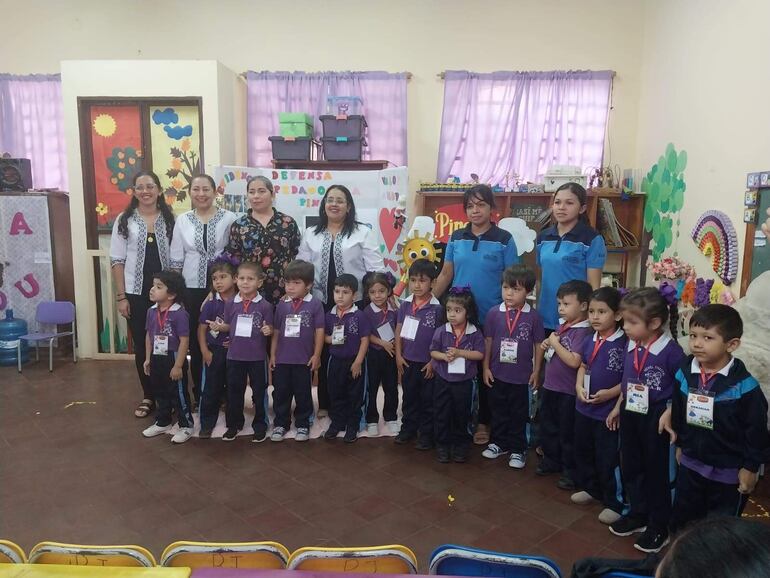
(393, 427)
(372, 430)
(517, 461)
(277, 435)
(184, 434)
(493, 451)
(608, 516)
(156, 430)
(581, 498)
(303, 434)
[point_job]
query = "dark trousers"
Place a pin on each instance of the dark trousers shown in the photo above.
(697, 497)
(139, 304)
(292, 381)
(509, 405)
(346, 394)
(597, 463)
(170, 395)
(237, 372)
(213, 379)
(452, 411)
(557, 431)
(323, 376)
(193, 299)
(485, 410)
(381, 369)
(417, 409)
(645, 458)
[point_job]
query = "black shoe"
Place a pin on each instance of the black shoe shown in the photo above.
(404, 438)
(626, 526)
(259, 436)
(230, 434)
(351, 435)
(565, 483)
(546, 470)
(204, 434)
(331, 433)
(652, 540)
(459, 454)
(444, 457)
(424, 444)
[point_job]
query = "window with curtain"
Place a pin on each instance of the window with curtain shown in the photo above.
(504, 123)
(384, 106)
(32, 127)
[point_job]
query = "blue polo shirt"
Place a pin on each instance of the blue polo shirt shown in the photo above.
(479, 262)
(563, 259)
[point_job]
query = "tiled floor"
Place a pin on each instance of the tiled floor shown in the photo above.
(82, 473)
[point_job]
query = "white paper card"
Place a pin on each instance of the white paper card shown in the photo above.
(409, 328)
(385, 331)
(292, 326)
(509, 351)
(700, 410)
(243, 325)
(160, 345)
(637, 398)
(457, 365)
(338, 335)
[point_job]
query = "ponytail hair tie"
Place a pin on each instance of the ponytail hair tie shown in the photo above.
(668, 292)
(226, 258)
(464, 290)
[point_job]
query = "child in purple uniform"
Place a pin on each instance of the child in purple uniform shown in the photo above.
(168, 337)
(347, 334)
(512, 363)
(295, 351)
(564, 355)
(652, 360)
(418, 317)
(248, 318)
(214, 344)
(456, 348)
(597, 386)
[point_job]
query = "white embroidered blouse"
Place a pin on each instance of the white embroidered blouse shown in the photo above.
(129, 251)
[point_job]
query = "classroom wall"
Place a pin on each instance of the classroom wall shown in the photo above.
(704, 87)
(424, 37)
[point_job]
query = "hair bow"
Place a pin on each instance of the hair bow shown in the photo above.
(623, 291)
(226, 258)
(464, 290)
(391, 278)
(668, 292)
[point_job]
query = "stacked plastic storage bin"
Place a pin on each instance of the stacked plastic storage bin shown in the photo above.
(296, 141)
(343, 129)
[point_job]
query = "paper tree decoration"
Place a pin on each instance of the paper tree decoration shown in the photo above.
(716, 238)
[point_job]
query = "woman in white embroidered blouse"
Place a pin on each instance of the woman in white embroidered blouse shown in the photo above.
(199, 237)
(337, 244)
(139, 248)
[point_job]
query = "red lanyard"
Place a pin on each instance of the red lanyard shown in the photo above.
(639, 367)
(459, 338)
(296, 304)
(416, 306)
(246, 303)
(162, 318)
(706, 377)
(511, 325)
(597, 346)
(341, 313)
(564, 327)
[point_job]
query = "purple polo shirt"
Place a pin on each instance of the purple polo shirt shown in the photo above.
(444, 338)
(606, 371)
(659, 370)
(298, 350)
(356, 326)
(176, 324)
(558, 375)
(528, 332)
(212, 309)
(252, 348)
(430, 316)
(374, 315)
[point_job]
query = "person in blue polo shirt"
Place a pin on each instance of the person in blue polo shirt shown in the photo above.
(569, 250)
(476, 256)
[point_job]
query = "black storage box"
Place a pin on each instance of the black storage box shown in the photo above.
(343, 148)
(349, 126)
(301, 148)
(15, 174)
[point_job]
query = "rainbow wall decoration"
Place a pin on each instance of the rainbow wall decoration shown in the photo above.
(716, 238)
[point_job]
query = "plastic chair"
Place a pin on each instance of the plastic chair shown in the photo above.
(393, 559)
(81, 555)
(11, 553)
(265, 555)
(50, 313)
(451, 560)
(625, 575)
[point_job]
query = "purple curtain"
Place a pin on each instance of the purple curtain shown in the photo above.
(384, 105)
(32, 127)
(501, 123)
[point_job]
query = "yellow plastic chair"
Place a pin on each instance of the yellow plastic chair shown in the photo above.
(393, 559)
(265, 555)
(11, 553)
(82, 555)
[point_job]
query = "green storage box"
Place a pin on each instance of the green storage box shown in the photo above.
(295, 124)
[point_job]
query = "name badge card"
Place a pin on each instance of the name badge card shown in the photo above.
(587, 385)
(457, 366)
(160, 345)
(637, 398)
(509, 351)
(385, 331)
(213, 333)
(700, 410)
(409, 328)
(243, 325)
(338, 335)
(292, 326)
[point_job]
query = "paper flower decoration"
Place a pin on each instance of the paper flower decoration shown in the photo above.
(716, 238)
(102, 209)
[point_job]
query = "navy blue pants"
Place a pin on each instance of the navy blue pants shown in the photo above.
(292, 381)
(346, 394)
(237, 372)
(452, 411)
(509, 403)
(557, 431)
(381, 369)
(597, 463)
(213, 379)
(417, 409)
(169, 394)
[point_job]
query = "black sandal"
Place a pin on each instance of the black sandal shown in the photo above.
(145, 408)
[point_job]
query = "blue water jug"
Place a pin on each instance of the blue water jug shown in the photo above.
(10, 330)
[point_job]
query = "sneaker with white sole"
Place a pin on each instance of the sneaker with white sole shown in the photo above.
(625, 526)
(608, 516)
(277, 435)
(493, 451)
(652, 541)
(372, 430)
(184, 434)
(156, 430)
(393, 427)
(517, 461)
(581, 498)
(303, 434)
(230, 434)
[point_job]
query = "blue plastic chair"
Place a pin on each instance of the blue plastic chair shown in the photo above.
(50, 313)
(625, 575)
(451, 560)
